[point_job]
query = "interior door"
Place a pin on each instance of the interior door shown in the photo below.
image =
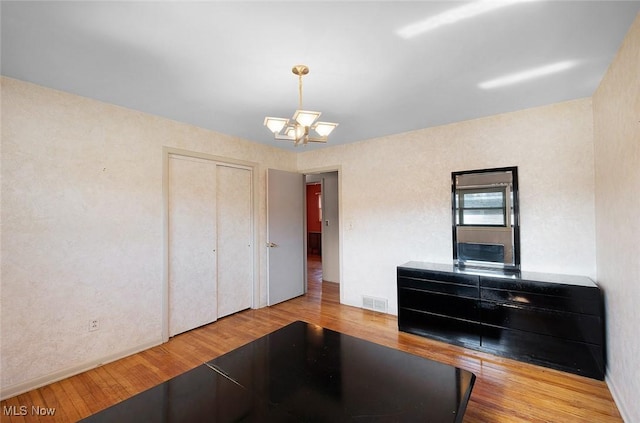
(285, 235)
(234, 239)
(192, 234)
(330, 228)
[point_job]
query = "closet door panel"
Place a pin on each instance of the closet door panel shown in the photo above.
(234, 238)
(192, 234)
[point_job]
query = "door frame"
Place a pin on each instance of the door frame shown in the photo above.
(166, 153)
(321, 170)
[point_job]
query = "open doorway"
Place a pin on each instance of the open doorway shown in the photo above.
(314, 231)
(322, 232)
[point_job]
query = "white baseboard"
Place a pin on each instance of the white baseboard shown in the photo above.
(20, 388)
(616, 398)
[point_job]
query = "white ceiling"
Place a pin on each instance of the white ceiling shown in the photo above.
(226, 65)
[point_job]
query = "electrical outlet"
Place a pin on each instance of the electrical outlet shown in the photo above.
(93, 325)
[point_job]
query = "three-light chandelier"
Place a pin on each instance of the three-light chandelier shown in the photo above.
(298, 129)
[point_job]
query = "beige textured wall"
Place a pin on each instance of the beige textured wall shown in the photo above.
(82, 227)
(396, 193)
(616, 109)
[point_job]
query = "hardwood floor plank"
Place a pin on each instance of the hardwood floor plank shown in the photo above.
(505, 390)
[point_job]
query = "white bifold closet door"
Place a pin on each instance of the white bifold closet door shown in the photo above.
(210, 241)
(234, 230)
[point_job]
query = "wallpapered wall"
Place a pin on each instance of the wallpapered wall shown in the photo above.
(616, 109)
(82, 227)
(396, 193)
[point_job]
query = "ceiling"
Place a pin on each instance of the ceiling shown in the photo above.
(226, 65)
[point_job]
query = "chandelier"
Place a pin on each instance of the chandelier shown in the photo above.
(298, 128)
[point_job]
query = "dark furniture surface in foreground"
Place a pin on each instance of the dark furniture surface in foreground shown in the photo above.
(551, 320)
(305, 373)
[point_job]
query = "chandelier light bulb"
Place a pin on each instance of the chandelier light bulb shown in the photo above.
(275, 125)
(324, 128)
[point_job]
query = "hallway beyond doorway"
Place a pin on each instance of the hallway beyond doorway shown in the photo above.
(314, 269)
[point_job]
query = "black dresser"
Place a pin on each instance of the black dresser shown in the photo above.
(551, 320)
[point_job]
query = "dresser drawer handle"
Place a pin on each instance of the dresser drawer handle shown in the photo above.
(510, 305)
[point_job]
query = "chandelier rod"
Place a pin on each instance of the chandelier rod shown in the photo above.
(300, 70)
(300, 92)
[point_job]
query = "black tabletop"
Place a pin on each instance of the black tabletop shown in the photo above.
(305, 373)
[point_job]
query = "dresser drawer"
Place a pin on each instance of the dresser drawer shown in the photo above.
(571, 326)
(581, 299)
(446, 305)
(467, 291)
(427, 275)
(561, 354)
(446, 329)
(574, 304)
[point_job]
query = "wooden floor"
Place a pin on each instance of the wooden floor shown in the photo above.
(505, 390)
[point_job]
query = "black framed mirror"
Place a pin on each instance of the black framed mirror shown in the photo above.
(486, 218)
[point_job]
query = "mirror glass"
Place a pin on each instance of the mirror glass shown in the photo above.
(485, 217)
